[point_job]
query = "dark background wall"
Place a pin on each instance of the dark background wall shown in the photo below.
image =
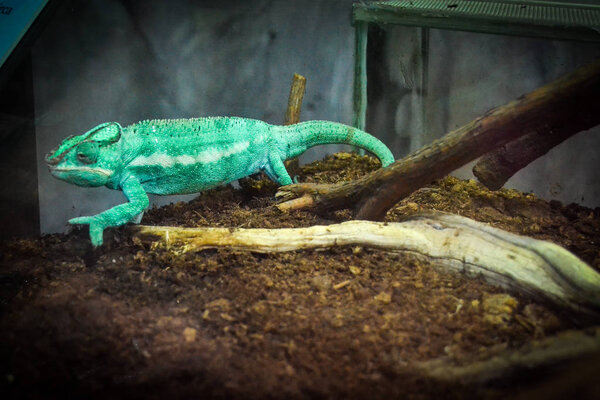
(19, 205)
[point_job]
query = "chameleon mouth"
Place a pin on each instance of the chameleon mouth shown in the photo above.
(98, 171)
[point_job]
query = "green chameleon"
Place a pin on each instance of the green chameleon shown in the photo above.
(187, 156)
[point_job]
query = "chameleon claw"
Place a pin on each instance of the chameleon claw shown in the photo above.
(96, 228)
(96, 234)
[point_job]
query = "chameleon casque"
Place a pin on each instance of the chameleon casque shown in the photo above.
(183, 156)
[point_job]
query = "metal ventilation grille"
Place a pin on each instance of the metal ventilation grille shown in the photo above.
(572, 15)
(507, 17)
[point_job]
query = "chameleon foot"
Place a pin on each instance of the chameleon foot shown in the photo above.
(97, 227)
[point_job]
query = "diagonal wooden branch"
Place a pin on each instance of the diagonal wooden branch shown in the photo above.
(533, 267)
(573, 97)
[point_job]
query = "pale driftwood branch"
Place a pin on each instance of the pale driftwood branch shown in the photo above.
(533, 267)
(557, 349)
(573, 97)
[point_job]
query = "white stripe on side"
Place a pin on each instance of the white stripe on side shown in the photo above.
(207, 156)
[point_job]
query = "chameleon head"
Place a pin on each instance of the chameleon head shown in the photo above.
(89, 159)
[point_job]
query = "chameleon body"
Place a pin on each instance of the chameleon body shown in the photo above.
(187, 156)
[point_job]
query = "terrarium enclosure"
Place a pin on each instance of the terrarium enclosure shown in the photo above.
(415, 280)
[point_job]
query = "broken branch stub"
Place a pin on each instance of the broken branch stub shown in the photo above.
(292, 115)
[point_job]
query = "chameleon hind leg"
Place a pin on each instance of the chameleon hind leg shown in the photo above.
(275, 169)
(118, 215)
(138, 218)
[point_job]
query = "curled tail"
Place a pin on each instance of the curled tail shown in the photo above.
(300, 137)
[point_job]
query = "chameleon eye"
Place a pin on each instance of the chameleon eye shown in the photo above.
(87, 152)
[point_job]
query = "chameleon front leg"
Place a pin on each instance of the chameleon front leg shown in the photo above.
(118, 215)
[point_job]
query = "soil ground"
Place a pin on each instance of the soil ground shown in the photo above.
(132, 321)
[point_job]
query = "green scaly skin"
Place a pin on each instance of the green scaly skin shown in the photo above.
(187, 156)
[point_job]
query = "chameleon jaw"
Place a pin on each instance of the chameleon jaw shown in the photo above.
(82, 176)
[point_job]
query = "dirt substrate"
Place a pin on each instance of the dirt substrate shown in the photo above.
(136, 321)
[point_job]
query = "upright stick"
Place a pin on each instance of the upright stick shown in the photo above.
(292, 114)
